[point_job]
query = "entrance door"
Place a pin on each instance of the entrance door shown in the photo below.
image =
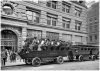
(9, 40)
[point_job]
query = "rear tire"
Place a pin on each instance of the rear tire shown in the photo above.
(80, 58)
(93, 57)
(36, 61)
(59, 60)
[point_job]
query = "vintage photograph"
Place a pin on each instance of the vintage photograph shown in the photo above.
(49, 35)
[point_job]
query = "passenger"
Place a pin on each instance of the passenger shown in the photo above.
(41, 44)
(34, 42)
(58, 43)
(47, 43)
(52, 43)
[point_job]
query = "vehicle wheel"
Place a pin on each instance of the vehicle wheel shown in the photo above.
(93, 57)
(27, 61)
(59, 60)
(36, 61)
(80, 58)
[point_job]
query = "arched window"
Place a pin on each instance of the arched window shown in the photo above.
(8, 9)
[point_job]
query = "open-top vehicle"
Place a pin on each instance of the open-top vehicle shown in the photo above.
(50, 53)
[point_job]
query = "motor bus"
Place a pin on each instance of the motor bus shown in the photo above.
(59, 54)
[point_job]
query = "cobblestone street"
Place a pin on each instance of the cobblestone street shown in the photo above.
(85, 65)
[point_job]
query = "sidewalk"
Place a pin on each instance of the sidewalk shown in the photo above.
(18, 62)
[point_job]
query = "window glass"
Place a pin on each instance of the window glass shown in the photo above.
(65, 7)
(53, 21)
(78, 25)
(49, 4)
(78, 11)
(66, 23)
(90, 38)
(33, 16)
(95, 37)
(48, 20)
(52, 4)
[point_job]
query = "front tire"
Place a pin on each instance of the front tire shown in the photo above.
(59, 60)
(36, 61)
(27, 61)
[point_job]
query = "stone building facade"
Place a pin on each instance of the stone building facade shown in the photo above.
(93, 24)
(56, 20)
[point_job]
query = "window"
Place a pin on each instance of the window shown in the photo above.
(65, 7)
(78, 40)
(66, 22)
(52, 35)
(95, 18)
(48, 20)
(90, 38)
(78, 25)
(67, 37)
(34, 33)
(90, 19)
(91, 28)
(78, 11)
(95, 37)
(95, 28)
(51, 20)
(54, 20)
(8, 9)
(52, 4)
(81, 48)
(33, 16)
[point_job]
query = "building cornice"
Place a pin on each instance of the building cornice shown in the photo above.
(13, 18)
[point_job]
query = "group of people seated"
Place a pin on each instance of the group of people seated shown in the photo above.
(43, 44)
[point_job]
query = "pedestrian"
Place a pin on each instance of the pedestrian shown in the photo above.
(11, 56)
(3, 56)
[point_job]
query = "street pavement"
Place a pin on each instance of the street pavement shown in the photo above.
(85, 65)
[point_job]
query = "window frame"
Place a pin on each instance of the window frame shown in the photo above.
(78, 11)
(52, 20)
(53, 4)
(67, 22)
(66, 7)
(78, 25)
(34, 16)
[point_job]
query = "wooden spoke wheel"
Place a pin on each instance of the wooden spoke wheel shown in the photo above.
(36, 61)
(80, 58)
(28, 61)
(59, 60)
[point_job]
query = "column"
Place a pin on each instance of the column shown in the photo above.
(59, 6)
(24, 34)
(44, 34)
(73, 39)
(60, 36)
(72, 10)
(72, 24)
(59, 23)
